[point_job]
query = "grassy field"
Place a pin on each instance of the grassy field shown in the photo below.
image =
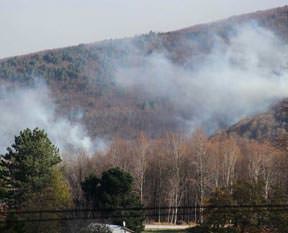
(188, 230)
(166, 231)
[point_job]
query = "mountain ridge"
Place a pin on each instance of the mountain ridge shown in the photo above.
(80, 77)
(193, 28)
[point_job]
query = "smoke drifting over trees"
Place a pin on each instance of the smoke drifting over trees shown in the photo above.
(207, 76)
(237, 77)
(242, 75)
(31, 107)
(159, 98)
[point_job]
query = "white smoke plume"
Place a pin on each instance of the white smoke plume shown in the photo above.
(32, 107)
(240, 77)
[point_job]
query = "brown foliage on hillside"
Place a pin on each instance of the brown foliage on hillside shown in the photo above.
(81, 79)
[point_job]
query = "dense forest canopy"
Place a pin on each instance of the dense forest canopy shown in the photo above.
(150, 121)
(117, 87)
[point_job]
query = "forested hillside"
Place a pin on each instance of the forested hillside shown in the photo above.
(271, 126)
(82, 78)
(190, 124)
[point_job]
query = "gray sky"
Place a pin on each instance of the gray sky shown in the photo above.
(32, 25)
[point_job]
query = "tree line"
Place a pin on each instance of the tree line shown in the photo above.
(33, 183)
(176, 171)
(173, 171)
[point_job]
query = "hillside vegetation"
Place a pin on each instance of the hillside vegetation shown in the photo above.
(81, 77)
(149, 95)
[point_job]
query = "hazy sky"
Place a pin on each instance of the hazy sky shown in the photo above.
(32, 25)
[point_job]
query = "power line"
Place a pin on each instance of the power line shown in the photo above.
(79, 218)
(145, 208)
(104, 213)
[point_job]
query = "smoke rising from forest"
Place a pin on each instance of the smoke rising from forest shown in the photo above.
(243, 75)
(32, 107)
